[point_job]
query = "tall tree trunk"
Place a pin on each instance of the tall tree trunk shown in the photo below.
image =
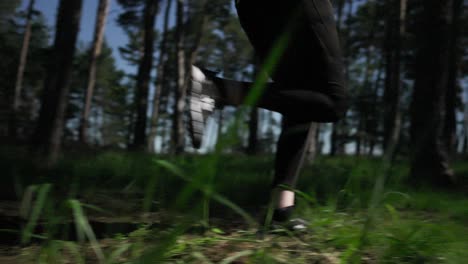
(166, 124)
(95, 52)
(200, 23)
(338, 129)
(374, 120)
(159, 80)
(334, 144)
(130, 129)
(312, 143)
(19, 77)
(318, 141)
(252, 147)
(271, 127)
(395, 29)
(450, 134)
(359, 135)
(180, 95)
(365, 91)
(48, 134)
(464, 149)
(363, 112)
(144, 75)
(185, 58)
(465, 128)
(220, 123)
(429, 161)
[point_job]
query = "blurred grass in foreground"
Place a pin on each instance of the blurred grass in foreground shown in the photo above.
(412, 226)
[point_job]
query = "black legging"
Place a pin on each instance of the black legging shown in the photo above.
(308, 80)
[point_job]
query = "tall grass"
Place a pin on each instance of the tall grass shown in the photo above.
(408, 226)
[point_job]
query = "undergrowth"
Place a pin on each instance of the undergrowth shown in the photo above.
(191, 212)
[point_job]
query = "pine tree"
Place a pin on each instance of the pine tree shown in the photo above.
(12, 33)
(108, 114)
(178, 138)
(395, 28)
(144, 75)
(339, 129)
(161, 75)
(20, 74)
(429, 161)
(101, 17)
(453, 99)
(48, 135)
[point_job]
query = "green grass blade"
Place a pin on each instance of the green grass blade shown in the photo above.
(149, 193)
(158, 253)
(27, 201)
(34, 217)
(96, 208)
(393, 212)
(116, 254)
(208, 191)
(83, 224)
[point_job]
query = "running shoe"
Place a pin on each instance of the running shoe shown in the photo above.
(202, 102)
(282, 218)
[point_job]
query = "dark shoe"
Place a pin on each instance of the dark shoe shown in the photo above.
(283, 214)
(281, 219)
(203, 93)
(296, 225)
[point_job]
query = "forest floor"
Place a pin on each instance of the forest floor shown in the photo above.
(428, 235)
(162, 219)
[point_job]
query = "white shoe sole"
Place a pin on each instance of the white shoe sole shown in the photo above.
(201, 104)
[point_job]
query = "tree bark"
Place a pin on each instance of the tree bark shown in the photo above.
(252, 147)
(144, 75)
(395, 29)
(338, 129)
(429, 161)
(375, 117)
(159, 80)
(312, 143)
(362, 131)
(464, 149)
(365, 91)
(95, 52)
(185, 58)
(450, 128)
(220, 123)
(180, 95)
(48, 134)
(465, 129)
(199, 24)
(20, 74)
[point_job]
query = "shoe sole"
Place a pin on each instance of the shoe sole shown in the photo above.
(201, 102)
(196, 122)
